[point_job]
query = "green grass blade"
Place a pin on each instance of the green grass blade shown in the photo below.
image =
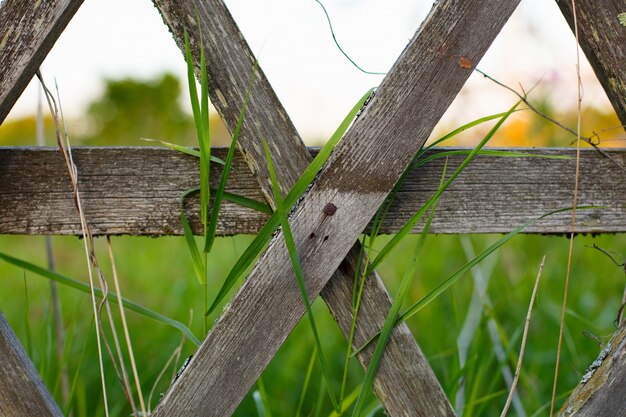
(185, 149)
(217, 202)
(72, 393)
(448, 282)
(314, 167)
(484, 152)
(258, 402)
(73, 283)
(241, 200)
(465, 127)
(247, 202)
(390, 320)
(295, 262)
(406, 229)
(198, 263)
(245, 260)
(265, 234)
(193, 91)
(307, 379)
(200, 124)
(347, 402)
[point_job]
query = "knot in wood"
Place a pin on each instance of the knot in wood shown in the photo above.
(330, 209)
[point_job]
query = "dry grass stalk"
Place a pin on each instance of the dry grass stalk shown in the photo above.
(93, 267)
(524, 336)
(574, 204)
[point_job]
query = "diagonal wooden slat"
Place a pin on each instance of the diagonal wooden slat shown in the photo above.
(22, 392)
(28, 30)
(405, 384)
(132, 191)
(412, 98)
(603, 39)
(602, 389)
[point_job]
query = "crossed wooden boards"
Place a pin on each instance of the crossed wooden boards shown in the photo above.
(363, 169)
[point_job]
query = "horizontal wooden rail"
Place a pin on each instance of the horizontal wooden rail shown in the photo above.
(138, 191)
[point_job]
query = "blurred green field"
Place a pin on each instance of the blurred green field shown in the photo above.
(158, 274)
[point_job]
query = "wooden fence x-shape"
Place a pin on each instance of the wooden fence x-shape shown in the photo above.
(360, 173)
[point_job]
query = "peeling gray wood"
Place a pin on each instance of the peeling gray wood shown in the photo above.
(28, 30)
(137, 191)
(603, 39)
(412, 390)
(602, 390)
(420, 87)
(22, 392)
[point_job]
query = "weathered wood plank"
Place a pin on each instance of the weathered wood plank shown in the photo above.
(137, 191)
(429, 74)
(28, 30)
(602, 390)
(603, 39)
(22, 392)
(402, 389)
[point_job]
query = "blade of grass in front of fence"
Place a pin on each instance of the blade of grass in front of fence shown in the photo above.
(265, 234)
(217, 202)
(73, 283)
(187, 150)
(248, 202)
(307, 379)
(448, 282)
(347, 402)
(261, 400)
(295, 262)
(406, 229)
(199, 263)
(200, 124)
(70, 401)
(469, 265)
(381, 214)
(258, 402)
(390, 320)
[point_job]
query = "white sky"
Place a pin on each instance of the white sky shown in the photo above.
(316, 84)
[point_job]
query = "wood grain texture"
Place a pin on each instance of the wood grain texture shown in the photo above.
(22, 392)
(403, 390)
(602, 390)
(137, 191)
(603, 39)
(28, 30)
(362, 170)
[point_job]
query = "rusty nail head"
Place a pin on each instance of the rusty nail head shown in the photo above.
(330, 209)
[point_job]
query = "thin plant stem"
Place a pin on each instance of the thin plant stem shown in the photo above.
(72, 172)
(332, 32)
(524, 336)
(129, 345)
(589, 140)
(575, 201)
(59, 334)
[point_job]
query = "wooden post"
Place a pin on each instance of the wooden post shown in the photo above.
(22, 392)
(603, 39)
(427, 77)
(602, 390)
(28, 30)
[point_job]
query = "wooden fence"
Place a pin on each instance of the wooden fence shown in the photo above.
(123, 192)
